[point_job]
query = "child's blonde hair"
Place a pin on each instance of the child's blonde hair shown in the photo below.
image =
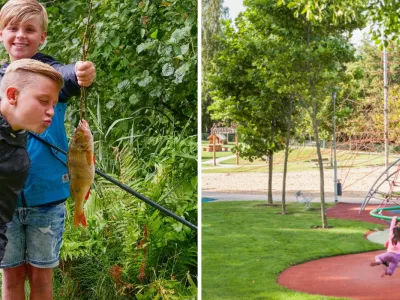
(18, 11)
(21, 73)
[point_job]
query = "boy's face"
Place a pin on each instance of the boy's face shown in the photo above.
(22, 40)
(34, 104)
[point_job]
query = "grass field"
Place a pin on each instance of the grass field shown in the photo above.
(300, 159)
(246, 246)
(209, 155)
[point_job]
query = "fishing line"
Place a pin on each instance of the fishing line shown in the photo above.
(126, 188)
(85, 49)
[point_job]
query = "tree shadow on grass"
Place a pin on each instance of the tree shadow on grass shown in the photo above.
(267, 204)
(320, 227)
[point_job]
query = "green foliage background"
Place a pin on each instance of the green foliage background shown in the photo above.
(143, 113)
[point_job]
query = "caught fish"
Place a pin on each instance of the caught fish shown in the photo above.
(81, 162)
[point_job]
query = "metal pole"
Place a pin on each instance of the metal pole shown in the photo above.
(386, 109)
(335, 181)
(214, 153)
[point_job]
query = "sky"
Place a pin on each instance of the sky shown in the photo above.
(236, 6)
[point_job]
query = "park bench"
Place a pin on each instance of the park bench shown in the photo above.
(325, 161)
(303, 199)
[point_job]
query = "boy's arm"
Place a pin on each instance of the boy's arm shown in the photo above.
(75, 75)
(85, 73)
(71, 86)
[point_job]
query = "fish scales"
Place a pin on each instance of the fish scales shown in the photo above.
(81, 169)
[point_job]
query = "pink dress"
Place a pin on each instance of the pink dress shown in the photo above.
(392, 257)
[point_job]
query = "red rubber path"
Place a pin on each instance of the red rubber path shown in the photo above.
(348, 276)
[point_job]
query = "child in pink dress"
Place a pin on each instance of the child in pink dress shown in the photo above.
(391, 257)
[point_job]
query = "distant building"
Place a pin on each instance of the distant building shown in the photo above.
(220, 139)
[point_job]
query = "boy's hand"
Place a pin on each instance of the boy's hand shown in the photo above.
(85, 72)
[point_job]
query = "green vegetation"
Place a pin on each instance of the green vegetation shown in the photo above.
(247, 245)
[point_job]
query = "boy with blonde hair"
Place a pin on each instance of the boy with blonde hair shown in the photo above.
(35, 232)
(23, 106)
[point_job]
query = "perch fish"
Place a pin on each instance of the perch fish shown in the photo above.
(81, 169)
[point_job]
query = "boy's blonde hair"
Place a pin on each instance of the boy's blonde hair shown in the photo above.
(18, 11)
(22, 72)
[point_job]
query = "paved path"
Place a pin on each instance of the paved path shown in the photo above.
(227, 166)
(218, 160)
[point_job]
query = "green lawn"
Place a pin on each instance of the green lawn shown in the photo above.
(300, 159)
(205, 155)
(237, 169)
(209, 155)
(245, 247)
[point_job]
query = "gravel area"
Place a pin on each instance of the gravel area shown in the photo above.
(355, 182)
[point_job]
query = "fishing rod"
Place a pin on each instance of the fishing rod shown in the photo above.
(126, 188)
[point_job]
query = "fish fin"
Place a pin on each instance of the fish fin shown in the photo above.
(80, 219)
(87, 195)
(89, 157)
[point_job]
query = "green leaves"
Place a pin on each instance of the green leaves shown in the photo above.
(167, 69)
(145, 46)
(145, 99)
(179, 34)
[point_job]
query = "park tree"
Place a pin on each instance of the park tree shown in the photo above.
(381, 16)
(320, 54)
(362, 96)
(238, 96)
(213, 12)
(276, 73)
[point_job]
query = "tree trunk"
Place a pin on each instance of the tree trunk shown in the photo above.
(313, 114)
(285, 168)
(270, 165)
(288, 128)
(321, 170)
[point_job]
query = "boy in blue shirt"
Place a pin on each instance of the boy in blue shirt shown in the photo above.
(35, 233)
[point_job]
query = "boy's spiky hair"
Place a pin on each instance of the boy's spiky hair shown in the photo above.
(18, 11)
(21, 73)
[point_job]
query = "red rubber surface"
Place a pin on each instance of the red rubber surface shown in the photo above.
(348, 276)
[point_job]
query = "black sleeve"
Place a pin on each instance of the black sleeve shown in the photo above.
(14, 169)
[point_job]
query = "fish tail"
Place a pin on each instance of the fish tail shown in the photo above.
(87, 195)
(80, 219)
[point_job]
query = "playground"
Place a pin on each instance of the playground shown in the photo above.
(250, 250)
(348, 276)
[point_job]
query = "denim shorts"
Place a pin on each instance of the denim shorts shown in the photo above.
(35, 236)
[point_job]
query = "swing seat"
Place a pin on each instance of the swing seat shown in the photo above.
(303, 199)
